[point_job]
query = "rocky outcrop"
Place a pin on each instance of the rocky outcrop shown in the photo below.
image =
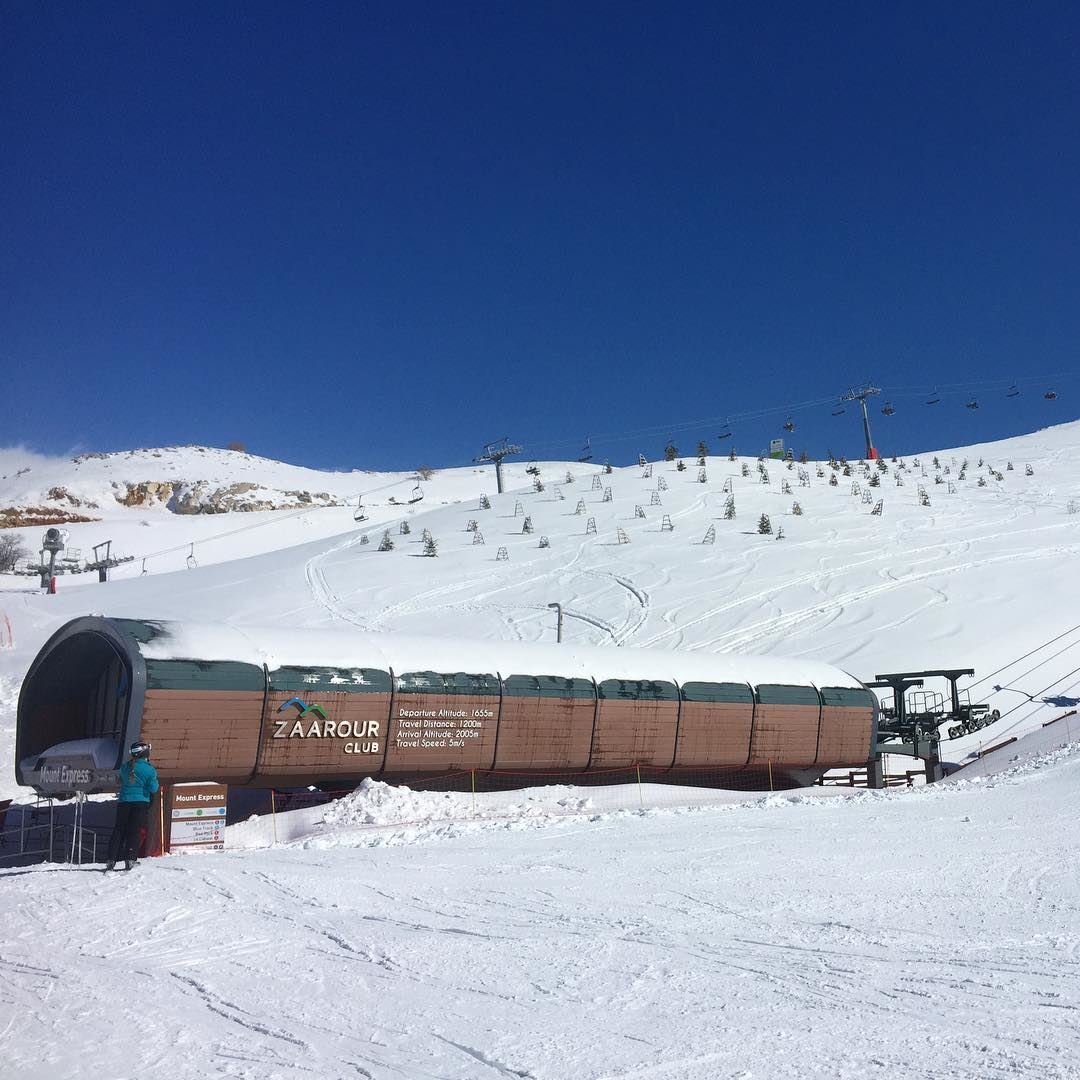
(182, 497)
(148, 493)
(61, 494)
(13, 517)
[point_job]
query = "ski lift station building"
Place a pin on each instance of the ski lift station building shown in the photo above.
(277, 708)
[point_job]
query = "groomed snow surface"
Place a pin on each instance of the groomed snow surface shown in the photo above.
(930, 932)
(588, 933)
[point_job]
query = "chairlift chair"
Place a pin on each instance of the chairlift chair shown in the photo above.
(360, 513)
(972, 404)
(933, 399)
(726, 433)
(789, 424)
(1013, 391)
(887, 409)
(417, 492)
(532, 469)
(839, 410)
(586, 450)
(1050, 395)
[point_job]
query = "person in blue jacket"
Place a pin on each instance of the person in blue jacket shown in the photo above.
(138, 785)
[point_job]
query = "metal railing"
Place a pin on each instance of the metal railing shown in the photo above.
(39, 837)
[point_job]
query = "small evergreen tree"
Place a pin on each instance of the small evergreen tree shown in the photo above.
(386, 544)
(671, 452)
(702, 449)
(404, 528)
(796, 509)
(733, 456)
(485, 503)
(745, 469)
(729, 507)
(607, 467)
(764, 525)
(833, 482)
(875, 480)
(681, 466)
(431, 548)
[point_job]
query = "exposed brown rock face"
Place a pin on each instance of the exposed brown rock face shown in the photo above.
(146, 493)
(13, 517)
(61, 494)
(182, 497)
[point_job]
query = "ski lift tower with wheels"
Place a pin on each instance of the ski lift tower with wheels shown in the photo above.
(494, 452)
(860, 394)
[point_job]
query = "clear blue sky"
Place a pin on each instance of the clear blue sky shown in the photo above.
(378, 235)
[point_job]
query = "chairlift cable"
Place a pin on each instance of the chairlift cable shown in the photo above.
(1030, 701)
(1005, 667)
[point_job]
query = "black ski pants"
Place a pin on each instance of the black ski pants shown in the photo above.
(131, 818)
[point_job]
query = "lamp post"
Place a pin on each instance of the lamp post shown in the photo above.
(558, 629)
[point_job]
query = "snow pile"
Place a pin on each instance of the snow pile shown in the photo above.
(378, 803)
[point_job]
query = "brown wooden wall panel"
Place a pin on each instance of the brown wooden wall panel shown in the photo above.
(714, 733)
(349, 741)
(441, 732)
(634, 733)
(845, 735)
(203, 734)
(544, 733)
(785, 735)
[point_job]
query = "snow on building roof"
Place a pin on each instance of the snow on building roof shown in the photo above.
(276, 647)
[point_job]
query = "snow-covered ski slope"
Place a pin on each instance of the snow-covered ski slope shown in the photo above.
(978, 578)
(931, 933)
